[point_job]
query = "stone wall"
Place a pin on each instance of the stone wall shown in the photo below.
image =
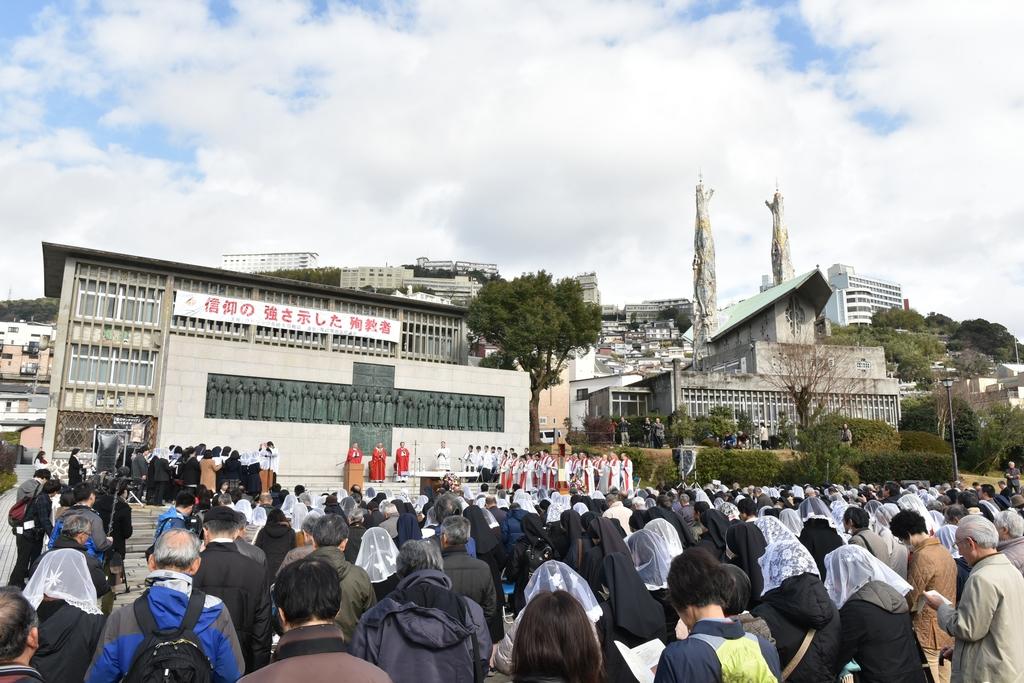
(310, 453)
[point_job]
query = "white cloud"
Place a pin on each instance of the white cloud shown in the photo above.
(559, 135)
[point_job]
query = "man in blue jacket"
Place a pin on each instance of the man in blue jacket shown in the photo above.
(717, 649)
(174, 561)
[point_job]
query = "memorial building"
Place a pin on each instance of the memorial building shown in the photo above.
(158, 353)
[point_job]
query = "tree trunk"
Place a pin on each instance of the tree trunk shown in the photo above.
(534, 417)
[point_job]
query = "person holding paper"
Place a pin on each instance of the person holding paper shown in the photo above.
(717, 649)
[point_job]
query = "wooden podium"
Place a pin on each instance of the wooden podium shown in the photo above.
(353, 475)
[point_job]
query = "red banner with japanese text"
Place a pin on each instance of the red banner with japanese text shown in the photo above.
(283, 316)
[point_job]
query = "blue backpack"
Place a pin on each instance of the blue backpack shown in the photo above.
(90, 547)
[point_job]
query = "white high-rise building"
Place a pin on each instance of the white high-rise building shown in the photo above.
(588, 281)
(264, 263)
(855, 298)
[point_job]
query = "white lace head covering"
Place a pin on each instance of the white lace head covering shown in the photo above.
(524, 501)
(245, 507)
(884, 515)
(420, 502)
(791, 520)
(838, 509)
(730, 511)
(773, 530)
(298, 516)
(259, 516)
(581, 509)
(288, 506)
(783, 560)
(597, 495)
(319, 502)
(467, 491)
(947, 537)
(911, 502)
(763, 510)
(701, 496)
(850, 568)
(650, 557)
(64, 575)
(937, 518)
(815, 508)
(555, 511)
(554, 576)
(668, 533)
(348, 504)
(378, 555)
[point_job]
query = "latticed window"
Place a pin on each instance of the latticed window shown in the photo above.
(91, 364)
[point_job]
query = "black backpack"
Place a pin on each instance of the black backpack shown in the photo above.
(172, 655)
(536, 555)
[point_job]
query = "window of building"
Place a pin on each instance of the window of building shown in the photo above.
(103, 365)
(7, 356)
(582, 394)
(111, 301)
(628, 403)
(12, 329)
(543, 420)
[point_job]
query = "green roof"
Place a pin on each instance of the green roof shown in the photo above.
(731, 316)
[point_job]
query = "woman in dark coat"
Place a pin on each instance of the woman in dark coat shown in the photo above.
(408, 528)
(275, 540)
(818, 535)
(70, 624)
(578, 543)
(231, 470)
(533, 543)
(489, 549)
(607, 540)
(75, 468)
(714, 538)
(795, 604)
(631, 615)
(746, 545)
(189, 469)
(876, 627)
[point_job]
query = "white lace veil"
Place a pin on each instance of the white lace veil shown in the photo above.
(245, 507)
(850, 568)
(378, 555)
(554, 576)
(288, 506)
(259, 516)
(909, 501)
(64, 575)
(298, 515)
(581, 509)
(815, 508)
(524, 501)
(668, 533)
(650, 557)
(783, 560)
(555, 511)
(701, 496)
(947, 537)
(791, 520)
(773, 530)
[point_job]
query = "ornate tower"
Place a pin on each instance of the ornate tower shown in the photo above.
(705, 284)
(782, 266)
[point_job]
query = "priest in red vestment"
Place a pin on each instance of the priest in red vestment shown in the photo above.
(401, 462)
(354, 454)
(378, 463)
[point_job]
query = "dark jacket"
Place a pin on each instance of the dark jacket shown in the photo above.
(798, 605)
(67, 641)
(424, 632)
(471, 577)
(357, 594)
(512, 528)
(877, 632)
(139, 466)
(355, 541)
(161, 470)
(820, 539)
(316, 654)
(231, 470)
(242, 584)
(13, 673)
(189, 471)
(275, 540)
(696, 658)
(118, 527)
(75, 471)
(40, 511)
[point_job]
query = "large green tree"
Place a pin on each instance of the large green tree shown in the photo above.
(537, 324)
(36, 310)
(1000, 438)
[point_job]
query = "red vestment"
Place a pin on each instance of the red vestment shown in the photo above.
(402, 461)
(378, 464)
(355, 455)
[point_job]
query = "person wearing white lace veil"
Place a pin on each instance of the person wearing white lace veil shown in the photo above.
(701, 496)
(549, 577)
(63, 575)
(730, 511)
(288, 506)
(650, 557)
(298, 515)
(774, 530)
(524, 501)
(783, 560)
(597, 495)
(898, 553)
(947, 537)
(348, 504)
(837, 509)
(581, 509)
(650, 502)
(259, 516)
(790, 519)
(420, 502)
(851, 567)
(912, 502)
(245, 507)
(319, 502)
(938, 518)
(378, 555)
(815, 508)
(668, 533)
(763, 510)
(555, 511)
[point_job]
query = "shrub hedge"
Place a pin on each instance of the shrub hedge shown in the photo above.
(899, 466)
(743, 466)
(923, 442)
(869, 436)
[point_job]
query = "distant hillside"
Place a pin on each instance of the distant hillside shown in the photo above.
(34, 310)
(320, 276)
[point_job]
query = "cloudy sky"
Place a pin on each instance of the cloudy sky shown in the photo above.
(557, 134)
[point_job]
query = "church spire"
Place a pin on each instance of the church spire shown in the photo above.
(782, 266)
(705, 285)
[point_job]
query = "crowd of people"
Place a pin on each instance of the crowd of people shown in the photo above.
(731, 583)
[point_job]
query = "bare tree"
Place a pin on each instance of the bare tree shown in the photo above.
(813, 376)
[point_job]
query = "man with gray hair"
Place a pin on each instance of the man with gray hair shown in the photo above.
(390, 523)
(985, 623)
(19, 637)
(424, 630)
(174, 562)
(470, 577)
(1010, 526)
(330, 538)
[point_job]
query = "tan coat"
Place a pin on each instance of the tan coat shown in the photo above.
(931, 568)
(620, 512)
(986, 624)
(208, 473)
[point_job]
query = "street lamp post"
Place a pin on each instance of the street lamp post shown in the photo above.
(948, 383)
